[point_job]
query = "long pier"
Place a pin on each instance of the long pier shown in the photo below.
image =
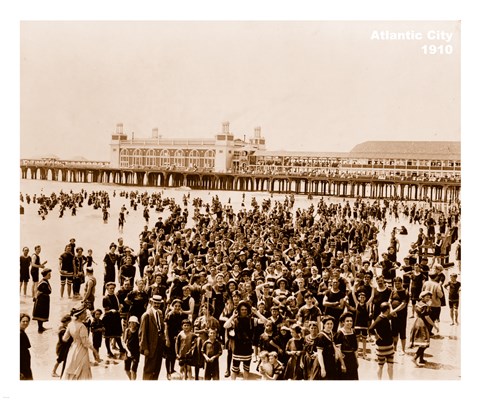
(374, 187)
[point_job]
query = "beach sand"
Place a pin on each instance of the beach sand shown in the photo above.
(87, 227)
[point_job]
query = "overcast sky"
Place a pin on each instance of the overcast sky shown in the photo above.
(323, 86)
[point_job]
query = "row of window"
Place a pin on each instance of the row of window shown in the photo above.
(165, 153)
(348, 163)
(165, 159)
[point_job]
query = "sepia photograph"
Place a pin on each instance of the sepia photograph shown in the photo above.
(249, 197)
(240, 200)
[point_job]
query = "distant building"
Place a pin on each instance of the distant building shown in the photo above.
(384, 159)
(222, 153)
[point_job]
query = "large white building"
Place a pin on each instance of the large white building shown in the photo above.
(225, 153)
(222, 153)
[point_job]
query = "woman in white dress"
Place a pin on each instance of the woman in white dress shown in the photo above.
(77, 366)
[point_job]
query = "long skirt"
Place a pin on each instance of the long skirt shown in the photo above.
(351, 364)
(420, 334)
(77, 366)
(41, 308)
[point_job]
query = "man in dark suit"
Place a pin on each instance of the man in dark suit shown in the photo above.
(152, 339)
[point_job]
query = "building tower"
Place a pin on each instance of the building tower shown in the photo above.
(224, 144)
(258, 142)
(115, 145)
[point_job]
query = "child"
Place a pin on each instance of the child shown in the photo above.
(361, 319)
(265, 368)
(184, 349)
(133, 348)
(90, 259)
(453, 297)
(211, 351)
(294, 351)
(97, 329)
(62, 347)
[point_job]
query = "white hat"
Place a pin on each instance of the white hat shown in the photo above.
(156, 298)
(133, 318)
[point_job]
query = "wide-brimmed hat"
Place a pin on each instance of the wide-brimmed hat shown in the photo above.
(133, 318)
(282, 279)
(76, 311)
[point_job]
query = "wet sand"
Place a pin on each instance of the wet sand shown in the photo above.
(443, 356)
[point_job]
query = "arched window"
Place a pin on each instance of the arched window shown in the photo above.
(137, 158)
(209, 159)
(124, 161)
(179, 159)
(150, 158)
(194, 159)
(164, 158)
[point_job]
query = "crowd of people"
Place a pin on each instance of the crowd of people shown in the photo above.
(287, 294)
